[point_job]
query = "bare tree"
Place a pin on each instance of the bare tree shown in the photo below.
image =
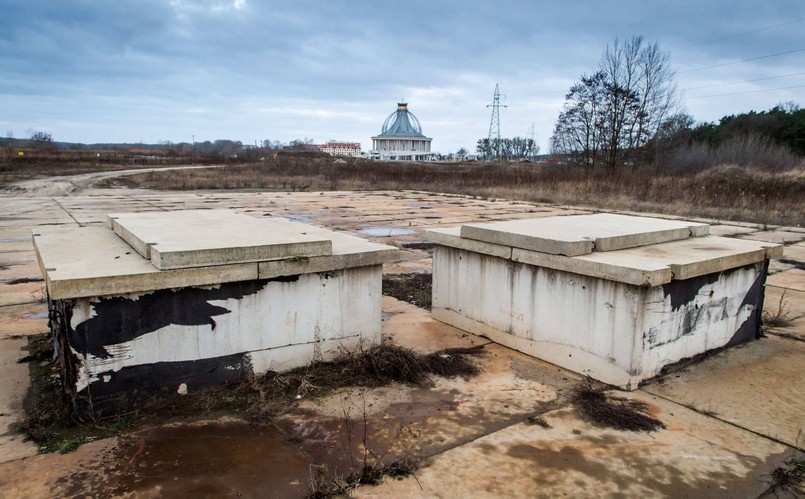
(610, 116)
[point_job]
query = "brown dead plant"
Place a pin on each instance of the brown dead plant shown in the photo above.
(782, 316)
(595, 406)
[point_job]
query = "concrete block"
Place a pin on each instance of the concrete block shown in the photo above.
(583, 234)
(452, 237)
(616, 332)
(129, 348)
(137, 332)
(202, 238)
(652, 296)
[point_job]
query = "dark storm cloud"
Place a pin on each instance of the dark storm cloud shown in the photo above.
(243, 69)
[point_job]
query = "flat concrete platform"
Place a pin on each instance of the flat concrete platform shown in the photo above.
(582, 234)
(723, 439)
(94, 261)
(642, 266)
(203, 238)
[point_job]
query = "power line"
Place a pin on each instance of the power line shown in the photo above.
(748, 92)
(744, 81)
(742, 60)
(739, 34)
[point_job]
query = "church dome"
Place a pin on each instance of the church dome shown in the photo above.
(401, 123)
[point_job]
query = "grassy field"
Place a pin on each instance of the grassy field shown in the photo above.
(724, 193)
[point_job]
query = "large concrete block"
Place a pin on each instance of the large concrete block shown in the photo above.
(127, 331)
(618, 316)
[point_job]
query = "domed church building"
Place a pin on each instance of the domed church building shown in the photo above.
(401, 138)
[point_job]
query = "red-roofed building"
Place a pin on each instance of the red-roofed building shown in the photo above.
(334, 148)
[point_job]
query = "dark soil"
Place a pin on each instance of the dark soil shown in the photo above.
(414, 288)
(610, 412)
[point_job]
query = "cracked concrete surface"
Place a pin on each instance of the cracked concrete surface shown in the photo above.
(730, 420)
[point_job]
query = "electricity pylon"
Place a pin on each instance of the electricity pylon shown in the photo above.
(494, 123)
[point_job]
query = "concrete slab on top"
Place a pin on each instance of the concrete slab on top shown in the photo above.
(582, 234)
(94, 261)
(201, 238)
(642, 266)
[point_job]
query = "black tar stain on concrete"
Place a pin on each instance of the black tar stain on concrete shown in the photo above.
(120, 319)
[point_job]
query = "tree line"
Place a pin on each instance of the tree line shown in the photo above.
(507, 149)
(628, 112)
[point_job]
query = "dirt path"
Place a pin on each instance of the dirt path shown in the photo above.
(75, 184)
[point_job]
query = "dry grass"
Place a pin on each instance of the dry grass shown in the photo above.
(724, 192)
(612, 412)
(782, 317)
(789, 478)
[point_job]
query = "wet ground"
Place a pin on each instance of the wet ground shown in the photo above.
(729, 421)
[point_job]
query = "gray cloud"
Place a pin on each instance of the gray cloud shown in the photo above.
(248, 70)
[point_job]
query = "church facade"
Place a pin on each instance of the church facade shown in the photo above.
(401, 138)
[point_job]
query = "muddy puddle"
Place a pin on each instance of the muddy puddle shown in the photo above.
(222, 459)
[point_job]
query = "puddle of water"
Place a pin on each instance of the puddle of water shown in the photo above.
(298, 218)
(212, 460)
(386, 231)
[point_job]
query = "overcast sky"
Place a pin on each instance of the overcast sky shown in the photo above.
(248, 70)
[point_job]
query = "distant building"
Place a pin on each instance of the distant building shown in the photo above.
(334, 148)
(401, 138)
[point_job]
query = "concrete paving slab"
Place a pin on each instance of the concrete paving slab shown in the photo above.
(730, 230)
(22, 292)
(16, 258)
(789, 279)
(757, 386)
(792, 303)
(776, 236)
(47, 475)
(423, 265)
(15, 244)
(583, 234)
(695, 456)
(202, 238)
(17, 273)
(795, 253)
(14, 383)
(455, 411)
(23, 320)
(781, 265)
